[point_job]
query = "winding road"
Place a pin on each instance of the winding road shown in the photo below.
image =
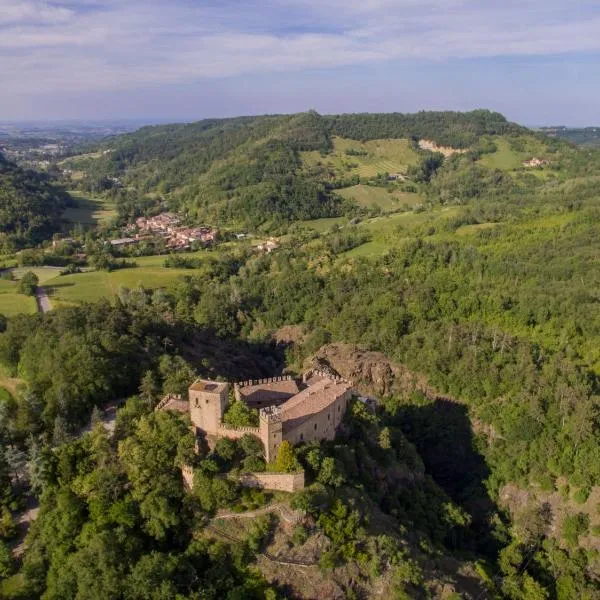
(43, 302)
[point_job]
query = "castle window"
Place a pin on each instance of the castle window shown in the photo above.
(328, 416)
(206, 400)
(301, 436)
(315, 426)
(339, 407)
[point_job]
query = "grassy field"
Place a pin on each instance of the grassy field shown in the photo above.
(368, 196)
(382, 156)
(391, 230)
(12, 303)
(509, 158)
(43, 273)
(325, 224)
(90, 211)
(91, 286)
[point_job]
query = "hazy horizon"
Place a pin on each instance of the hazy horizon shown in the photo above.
(72, 60)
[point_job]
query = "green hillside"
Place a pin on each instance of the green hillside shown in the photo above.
(30, 207)
(462, 297)
(252, 171)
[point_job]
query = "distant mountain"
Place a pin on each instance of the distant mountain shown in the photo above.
(582, 136)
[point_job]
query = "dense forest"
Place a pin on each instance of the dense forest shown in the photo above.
(476, 476)
(30, 206)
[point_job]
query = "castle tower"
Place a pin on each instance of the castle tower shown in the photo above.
(208, 401)
(271, 431)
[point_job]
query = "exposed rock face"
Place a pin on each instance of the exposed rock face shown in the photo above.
(371, 372)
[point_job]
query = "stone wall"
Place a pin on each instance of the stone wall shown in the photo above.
(282, 482)
(319, 426)
(235, 433)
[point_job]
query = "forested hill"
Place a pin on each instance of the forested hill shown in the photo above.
(455, 129)
(30, 206)
(247, 169)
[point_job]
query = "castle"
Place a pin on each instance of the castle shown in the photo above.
(304, 411)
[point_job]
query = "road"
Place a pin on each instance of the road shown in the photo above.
(43, 302)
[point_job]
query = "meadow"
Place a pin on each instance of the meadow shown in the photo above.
(91, 286)
(368, 196)
(510, 154)
(90, 210)
(12, 303)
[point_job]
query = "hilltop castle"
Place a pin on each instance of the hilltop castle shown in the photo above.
(289, 410)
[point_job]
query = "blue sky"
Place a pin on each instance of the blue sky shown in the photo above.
(536, 61)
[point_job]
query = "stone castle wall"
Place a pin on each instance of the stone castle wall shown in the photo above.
(235, 433)
(281, 482)
(318, 426)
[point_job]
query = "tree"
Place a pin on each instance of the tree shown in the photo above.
(149, 388)
(152, 457)
(28, 284)
(6, 561)
(286, 461)
(240, 415)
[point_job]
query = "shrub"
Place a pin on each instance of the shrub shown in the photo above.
(574, 526)
(581, 495)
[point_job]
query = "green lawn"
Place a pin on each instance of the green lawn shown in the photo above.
(89, 210)
(368, 196)
(382, 156)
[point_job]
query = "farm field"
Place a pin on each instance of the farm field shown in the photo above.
(90, 211)
(381, 156)
(368, 196)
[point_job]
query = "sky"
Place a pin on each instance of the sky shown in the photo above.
(536, 61)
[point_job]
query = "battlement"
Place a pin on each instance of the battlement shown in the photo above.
(232, 431)
(271, 414)
(267, 380)
(313, 375)
(173, 402)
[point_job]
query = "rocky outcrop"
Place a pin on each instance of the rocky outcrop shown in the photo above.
(372, 373)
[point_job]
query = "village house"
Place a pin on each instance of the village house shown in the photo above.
(289, 410)
(162, 223)
(122, 242)
(268, 246)
(535, 163)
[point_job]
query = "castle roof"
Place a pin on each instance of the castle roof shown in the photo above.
(204, 385)
(312, 400)
(287, 386)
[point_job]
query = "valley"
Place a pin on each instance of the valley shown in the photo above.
(452, 295)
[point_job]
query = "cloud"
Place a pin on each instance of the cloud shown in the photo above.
(113, 45)
(19, 12)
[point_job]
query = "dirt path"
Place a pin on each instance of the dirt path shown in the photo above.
(287, 514)
(229, 514)
(23, 521)
(43, 302)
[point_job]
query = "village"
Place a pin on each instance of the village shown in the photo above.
(166, 225)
